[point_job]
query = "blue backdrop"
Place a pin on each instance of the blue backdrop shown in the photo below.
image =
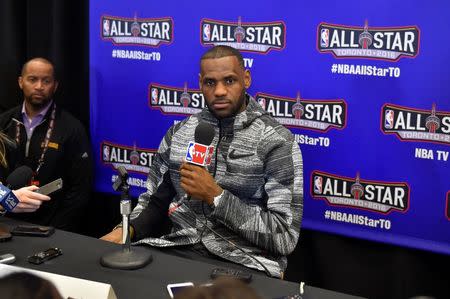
(363, 87)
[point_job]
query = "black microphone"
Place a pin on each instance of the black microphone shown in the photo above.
(204, 135)
(20, 177)
(128, 258)
(121, 179)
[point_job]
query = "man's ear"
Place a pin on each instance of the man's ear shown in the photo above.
(20, 81)
(200, 80)
(247, 79)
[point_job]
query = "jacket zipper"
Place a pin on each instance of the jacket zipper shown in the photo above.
(217, 148)
(27, 144)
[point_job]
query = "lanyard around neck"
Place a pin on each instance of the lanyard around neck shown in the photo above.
(51, 126)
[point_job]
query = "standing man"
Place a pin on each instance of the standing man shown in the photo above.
(251, 193)
(53, 144)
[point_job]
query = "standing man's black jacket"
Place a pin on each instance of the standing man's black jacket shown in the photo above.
(68, 157)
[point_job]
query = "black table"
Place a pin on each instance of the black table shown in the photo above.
(81, 256)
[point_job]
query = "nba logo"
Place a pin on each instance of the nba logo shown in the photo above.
(389, 119)
(106, 27)
(324, 37)
(105, 153)
(190, 152)
(154, 96)
(206, 32)
(318, 185)
(262, 102)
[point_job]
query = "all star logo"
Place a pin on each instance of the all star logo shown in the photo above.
(411, 124)
(132, 158)
(137, 31)
(386, 43)
(320, 115)
(251, 37)
(175, 100)
(376, 196)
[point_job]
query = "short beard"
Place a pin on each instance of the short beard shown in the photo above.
(36, 106)
(242, 100)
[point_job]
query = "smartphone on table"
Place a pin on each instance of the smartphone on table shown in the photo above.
(33, 230)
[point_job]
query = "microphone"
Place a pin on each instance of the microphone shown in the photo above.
(204, 133)
(199, 152)
(20, 177)
(17, 179)
(122, 178)
(7, 198)
(127, 258)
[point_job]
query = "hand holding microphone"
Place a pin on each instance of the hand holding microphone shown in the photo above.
(196, 181)
(29, 199)
(19, 199)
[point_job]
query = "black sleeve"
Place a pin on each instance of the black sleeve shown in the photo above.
(154, 221)
(78, 182)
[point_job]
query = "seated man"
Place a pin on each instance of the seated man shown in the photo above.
(246, 207)
(53, 144)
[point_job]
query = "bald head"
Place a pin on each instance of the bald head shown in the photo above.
(40, 60)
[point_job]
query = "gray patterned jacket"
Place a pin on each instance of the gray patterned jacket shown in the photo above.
(259, 165)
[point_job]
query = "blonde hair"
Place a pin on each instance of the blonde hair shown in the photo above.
(3, 150)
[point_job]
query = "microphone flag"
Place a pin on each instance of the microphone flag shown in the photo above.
(199, 154)
(7, 199)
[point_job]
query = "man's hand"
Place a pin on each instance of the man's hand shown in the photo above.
(198, 183)
(115, 236)
(29, 201)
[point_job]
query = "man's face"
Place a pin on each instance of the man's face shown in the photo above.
(38, 84)
(223, 83)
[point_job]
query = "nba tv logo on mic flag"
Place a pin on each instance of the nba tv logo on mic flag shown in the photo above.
(7, 199)
(199, 154)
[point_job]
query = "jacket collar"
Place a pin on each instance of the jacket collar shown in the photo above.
(17, 112)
